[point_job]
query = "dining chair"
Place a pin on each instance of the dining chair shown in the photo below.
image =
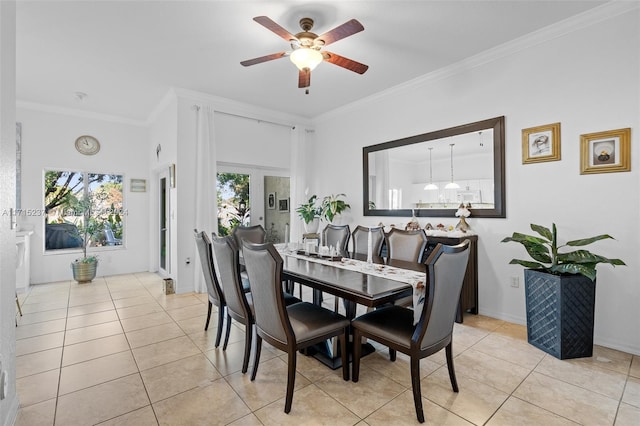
(360, 238)
(406, 245)
(254, 234)
(288, 328)
(216, 296)
(239, 302)
(336, 236)
(394, 326)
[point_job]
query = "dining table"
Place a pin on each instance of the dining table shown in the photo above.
(356, 280)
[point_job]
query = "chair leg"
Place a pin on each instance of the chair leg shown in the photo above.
(248, 333)
(206, 324)
(392, 355)
(452, 371)
(344, 353)
(415, 384)
(226, 337)
(256, 360)
(220, 325)
(291, 380)
(357, 352)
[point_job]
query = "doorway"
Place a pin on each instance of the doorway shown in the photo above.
(164, 228)
(233, 190)
(265, 192)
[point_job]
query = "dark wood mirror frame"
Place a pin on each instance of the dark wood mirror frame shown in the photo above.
(497, 124)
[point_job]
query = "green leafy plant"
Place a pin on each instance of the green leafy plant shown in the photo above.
(332, 206)
(309, 210)
(546, 255)
(89, 228)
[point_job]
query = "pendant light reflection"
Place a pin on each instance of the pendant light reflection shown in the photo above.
(430, 186)
(452, 184)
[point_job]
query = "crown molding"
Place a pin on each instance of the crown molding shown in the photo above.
(78, 113)
(543, 35)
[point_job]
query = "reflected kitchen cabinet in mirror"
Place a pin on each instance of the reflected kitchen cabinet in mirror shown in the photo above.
(433, 173)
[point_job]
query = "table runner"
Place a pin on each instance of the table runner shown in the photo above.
(414, 278)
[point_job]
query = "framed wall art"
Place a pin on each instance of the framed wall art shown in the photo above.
(605, 152)
(541, 143)
(283, 205)
(271, 201)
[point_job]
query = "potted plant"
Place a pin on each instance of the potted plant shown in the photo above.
(332, 206)
(560, 290)
(85, 268)
(310, 214)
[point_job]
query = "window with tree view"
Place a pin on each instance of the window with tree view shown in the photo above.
(83, 208)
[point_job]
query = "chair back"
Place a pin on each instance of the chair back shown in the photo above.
(203, 243)
(227, 268)
(361, 239)
(264, 266)
(447, 266)
(337, 236)
(254, 234)
(406, 245)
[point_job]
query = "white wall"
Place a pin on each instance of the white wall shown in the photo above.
(163, 131)
(48, 143)
(9, 403)
(587, 78)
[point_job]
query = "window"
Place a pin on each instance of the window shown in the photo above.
(75, 201)
(234, 207)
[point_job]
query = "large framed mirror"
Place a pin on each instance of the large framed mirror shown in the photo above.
(433, 173)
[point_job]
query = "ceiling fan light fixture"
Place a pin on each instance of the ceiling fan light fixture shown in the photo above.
(305, 57)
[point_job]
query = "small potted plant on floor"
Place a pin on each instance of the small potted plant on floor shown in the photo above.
(310, 213)
(85, 268)
(560, 290)
(333, 206)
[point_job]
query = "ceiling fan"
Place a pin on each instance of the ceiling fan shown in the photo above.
(306, 47)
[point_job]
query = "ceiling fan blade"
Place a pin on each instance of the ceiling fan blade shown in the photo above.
(271, 25)
(304, 78)
(338, 33)
(262, 59)
(343, 62)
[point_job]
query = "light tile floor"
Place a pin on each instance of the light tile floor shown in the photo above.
(119, 352)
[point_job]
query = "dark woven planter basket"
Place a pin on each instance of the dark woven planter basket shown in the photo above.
(560, 313)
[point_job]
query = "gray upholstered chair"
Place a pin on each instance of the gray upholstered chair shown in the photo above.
(336, 236)
(288, 328)
(216, 296)
(360, 238)
(254, 234)
(406, 245)
(393, 325)
(239, 302)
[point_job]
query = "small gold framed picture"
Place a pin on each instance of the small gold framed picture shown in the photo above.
(541, 143)
(605, 152)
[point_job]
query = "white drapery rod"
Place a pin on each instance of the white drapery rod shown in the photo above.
(291, 126)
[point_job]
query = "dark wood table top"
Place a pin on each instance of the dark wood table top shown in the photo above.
(354, 286)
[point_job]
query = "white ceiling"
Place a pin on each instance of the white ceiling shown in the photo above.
(127, 54)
